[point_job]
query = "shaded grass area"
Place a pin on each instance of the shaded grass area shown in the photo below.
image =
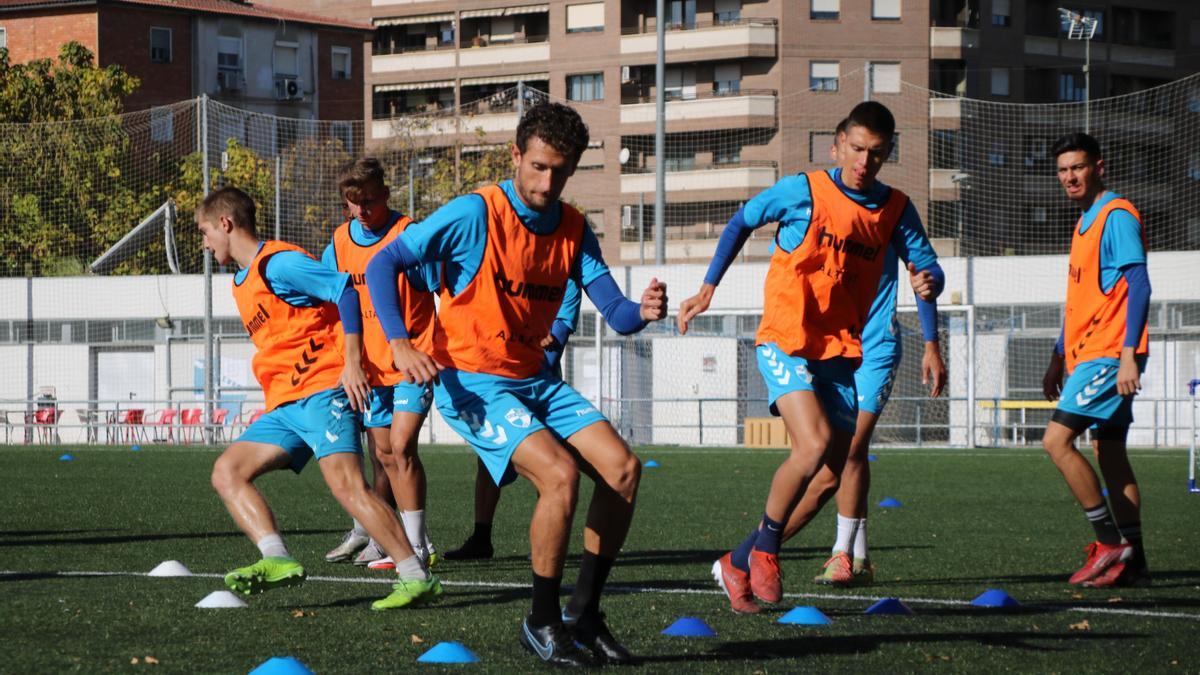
(970, 521)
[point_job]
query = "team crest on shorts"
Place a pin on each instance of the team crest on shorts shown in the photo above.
(519, 418)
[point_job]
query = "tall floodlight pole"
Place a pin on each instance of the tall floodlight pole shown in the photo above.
(1083, 28)
(660, 136)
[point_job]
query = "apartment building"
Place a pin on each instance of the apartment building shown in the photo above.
(256, 57)
(753, 88)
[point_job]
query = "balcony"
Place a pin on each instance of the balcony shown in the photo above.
(951, 43)
(708, 183)
(707, 110)
(415, 59)
(535, 49)
(741, 38)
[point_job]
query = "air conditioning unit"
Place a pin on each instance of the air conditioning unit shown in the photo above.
(229, 80)
(626, 76)
(288, 89)
(627, 217)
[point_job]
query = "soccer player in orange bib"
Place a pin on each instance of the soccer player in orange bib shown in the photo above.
(395, 409)
(310, 368)
(1103, 347)
(834, 228)
(507, 252)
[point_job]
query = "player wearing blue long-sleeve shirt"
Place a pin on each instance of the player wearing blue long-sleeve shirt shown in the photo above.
(313, 389)
(507, 252)
(1103, 351)
(823, 279)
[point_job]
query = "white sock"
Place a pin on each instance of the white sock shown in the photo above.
(359, 529)
(845, 534)
(860, 540)
(411, 568)
(414, 527)
(272, 546)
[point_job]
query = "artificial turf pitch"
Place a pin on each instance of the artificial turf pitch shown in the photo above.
(970, 521)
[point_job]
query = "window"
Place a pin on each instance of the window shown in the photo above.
(894, 158)
(679, 158)
(885, 78)
(160, 45)
(1001, 13)
(162, 125)
(885, 10)
(823, 75)
(1070, 87)
(727, 156)
(340, 60)
(229, 53)
(588, 87)
(3, 38)
(585, 18)
(681, 14)
(595, 220)
(344, 133)
(680, 83)
(999, 82)
(727, 79)
(819, 144)
(728, 11)
(996, 154)
(287, 59)
(824, 9)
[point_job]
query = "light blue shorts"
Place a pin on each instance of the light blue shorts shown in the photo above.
(322, 424)
(832, 380)
(402, 397)
(874, 382)
(494, 414)
(1091, 391)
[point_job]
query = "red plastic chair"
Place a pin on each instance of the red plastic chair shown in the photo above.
(131, 424)
(46, 421)
(218, 423)
(162, 424)
(190, 420)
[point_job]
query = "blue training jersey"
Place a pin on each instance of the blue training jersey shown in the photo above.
(789, 202)
(1121, 245)
(299, 280)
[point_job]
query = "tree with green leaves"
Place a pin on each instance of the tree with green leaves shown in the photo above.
(66, 193)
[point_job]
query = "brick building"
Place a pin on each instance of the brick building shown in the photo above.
(256, 57)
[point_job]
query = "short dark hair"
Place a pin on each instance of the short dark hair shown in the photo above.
(1077, 141)
(359, 174)
(232, 202)
(874, 117)
(841, 126)
(558, 125)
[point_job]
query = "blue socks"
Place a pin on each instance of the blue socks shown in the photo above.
(765, 539)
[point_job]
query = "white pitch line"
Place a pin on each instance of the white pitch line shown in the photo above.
(650, 589)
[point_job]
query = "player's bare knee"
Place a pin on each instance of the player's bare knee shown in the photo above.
(226, 475)
(626, 476)
(561, 481)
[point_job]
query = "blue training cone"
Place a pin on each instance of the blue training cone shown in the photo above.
(651, 464)
(890, 503)
(889, 606)
(689, 626)
(994, 597)
(872, 458)
(1104, 491)
(66, 458)
(805, 616)
(448, 652)
(136, 448)
(282, 665)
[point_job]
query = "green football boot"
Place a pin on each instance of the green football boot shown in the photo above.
(264, 575)
(406, 592)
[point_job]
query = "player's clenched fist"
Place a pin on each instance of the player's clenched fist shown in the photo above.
(654, 301)
(923, 283)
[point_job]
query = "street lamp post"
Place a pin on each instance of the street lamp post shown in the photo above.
(1083, 28)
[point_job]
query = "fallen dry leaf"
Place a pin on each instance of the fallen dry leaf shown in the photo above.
(134, 661)
(1082, 625)
(416, 639)
(1077, 596)
(151, 660)
(1115, 599)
